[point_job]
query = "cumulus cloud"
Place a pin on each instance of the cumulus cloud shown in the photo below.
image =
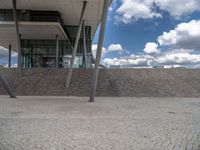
(168, 59)
(132, 10)
(94, 50)
(130, 61)
(110, 9)
(111, 48)
(177, 8)
(185, 35)
(4, 56)
(178, 58)
(12, 65)
(4, 53)
(151, 48)
(115, 47)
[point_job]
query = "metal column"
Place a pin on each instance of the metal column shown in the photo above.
(75, 45)
(31, 56)
(17, 35)
(57, 51)
(99, 51)
(6, 86)
(9, 56)
(84, 45)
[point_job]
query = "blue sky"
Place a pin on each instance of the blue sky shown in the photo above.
(135, 24)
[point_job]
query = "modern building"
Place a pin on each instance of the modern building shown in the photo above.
(41, 22)
(53, 33)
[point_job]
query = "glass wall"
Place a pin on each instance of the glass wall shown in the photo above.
(71, 33)
(42, 53)
(31, 15)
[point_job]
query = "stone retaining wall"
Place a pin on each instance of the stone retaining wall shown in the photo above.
(44, 82)
(112, 82)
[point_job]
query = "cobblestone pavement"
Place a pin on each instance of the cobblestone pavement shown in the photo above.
(58, 123)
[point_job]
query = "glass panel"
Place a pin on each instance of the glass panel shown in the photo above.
(78, 62)
(71, 32)
(31, 15)
(42, 53)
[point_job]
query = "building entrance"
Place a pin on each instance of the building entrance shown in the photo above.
(49, 62)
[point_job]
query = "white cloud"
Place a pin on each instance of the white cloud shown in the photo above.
(12, 65)
(132, 10)
(185, 35)
(173, 66)
(4, 56)
(131, 61)
(4, 53)
(111, 48)
(169, 59)
(115, 47)
(168, 38)
(151, 48)
(178, 58)
(94, 50)
(110, 9)
(177, 8)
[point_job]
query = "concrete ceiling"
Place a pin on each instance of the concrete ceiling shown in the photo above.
(69, 9)
(29, 30)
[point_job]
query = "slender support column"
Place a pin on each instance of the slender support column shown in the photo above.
(75, 45)
(31, 60)
(84, 45)
(17, 35)
(9, 56)
(99, 51)
(6, 86)
(57, 50)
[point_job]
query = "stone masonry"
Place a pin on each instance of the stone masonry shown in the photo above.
(112, 82)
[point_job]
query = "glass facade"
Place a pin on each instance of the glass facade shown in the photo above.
(71, 32)
(31, 15)
(42, 53)
(38, 53)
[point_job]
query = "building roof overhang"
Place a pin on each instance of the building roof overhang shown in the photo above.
(70, 9)
(30, 30)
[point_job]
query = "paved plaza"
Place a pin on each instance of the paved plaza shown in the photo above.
(71, 123)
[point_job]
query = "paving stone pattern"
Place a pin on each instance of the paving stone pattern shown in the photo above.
(71, 123)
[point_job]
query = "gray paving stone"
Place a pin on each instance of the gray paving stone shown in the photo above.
(71, 123)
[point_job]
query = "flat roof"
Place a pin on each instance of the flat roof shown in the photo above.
(70, 9)
(30, 30)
